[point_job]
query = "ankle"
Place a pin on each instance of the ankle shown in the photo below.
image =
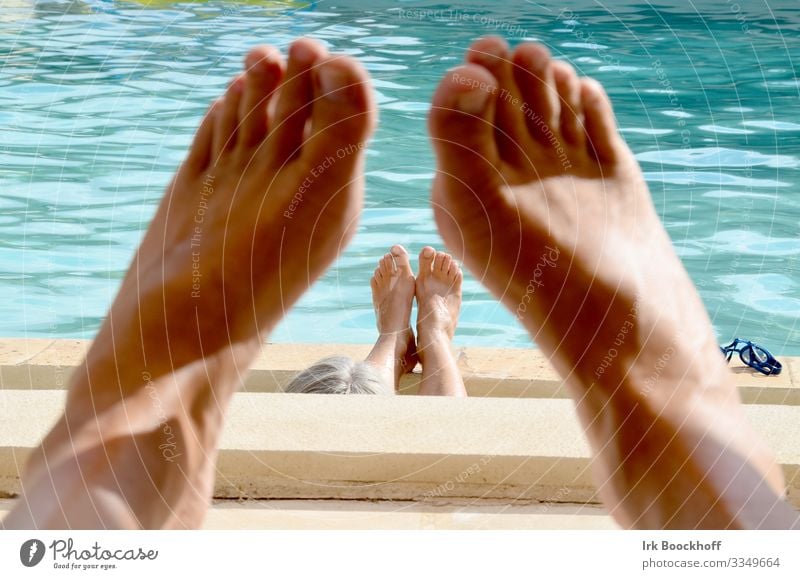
(393, 335)
(398, 342)
(433, 338)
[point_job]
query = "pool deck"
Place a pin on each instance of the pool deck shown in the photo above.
(511, 456)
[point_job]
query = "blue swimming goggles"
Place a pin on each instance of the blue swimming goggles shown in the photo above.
(754, 356)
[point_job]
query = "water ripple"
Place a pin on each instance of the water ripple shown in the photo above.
(100, 99)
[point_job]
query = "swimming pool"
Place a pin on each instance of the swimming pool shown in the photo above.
(101, 98)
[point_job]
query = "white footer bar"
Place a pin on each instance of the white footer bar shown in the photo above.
(387, 554)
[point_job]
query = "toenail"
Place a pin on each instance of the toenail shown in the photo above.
(472, 101)
(333, 81)
(302, 52)
(489, 54)
(255, 60)
(428, 252)
(261, 66)
(237, 84)
(534, 59)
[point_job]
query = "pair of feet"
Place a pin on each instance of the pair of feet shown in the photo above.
(535, 192)
(437, 289)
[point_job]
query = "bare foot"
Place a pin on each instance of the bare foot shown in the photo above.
(438, 291)
(548, 207)
(438, 296)
(267, 198)
(393, 296)
(240, 234)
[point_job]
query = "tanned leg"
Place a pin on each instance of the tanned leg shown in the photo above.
(532, 170)
(395, 352)
(247, 224)
(438, 305)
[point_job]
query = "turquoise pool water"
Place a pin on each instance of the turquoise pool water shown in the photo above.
(100, 99)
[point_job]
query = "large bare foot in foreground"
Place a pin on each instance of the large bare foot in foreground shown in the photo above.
(395, 352)
(438, 304)
(540, 195)
(267, 198)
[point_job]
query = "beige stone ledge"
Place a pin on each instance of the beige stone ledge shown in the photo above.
(391, 448)
(395, 515)
(403, 515)
(515, 373)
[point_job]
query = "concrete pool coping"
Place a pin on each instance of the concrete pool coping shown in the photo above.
(395, 515)
(303, 446)
(42, 364)
(516, 446)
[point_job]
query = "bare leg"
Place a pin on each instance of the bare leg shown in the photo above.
(438, 302)
(542, 197)
(395, 352)
(243, 230)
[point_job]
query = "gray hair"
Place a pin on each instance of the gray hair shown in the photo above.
(339, 375)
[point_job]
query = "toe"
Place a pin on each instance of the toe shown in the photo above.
(200, 153)
(343, 115)
(264, 73)
(569, 90)
(534, 75)
(228, 118)
(446, 263)
(377, 275)
(426, 257)
(295, 102)
(438, 262)
(452, 269)
(462, 128)
(493, 54)
(385, 264)
(454, 277)
(401, 259)
(601, 129)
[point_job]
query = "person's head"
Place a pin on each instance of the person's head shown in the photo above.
(338, 375)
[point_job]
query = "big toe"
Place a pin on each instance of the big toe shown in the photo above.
(426, 258)
(462, 128)
(492, 53)
(343, 115)
(602, 135)
(401, 259)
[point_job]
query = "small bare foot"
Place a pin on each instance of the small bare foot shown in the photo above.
(438, 291)
(538, 192)
(393, 296)
(438, 296)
